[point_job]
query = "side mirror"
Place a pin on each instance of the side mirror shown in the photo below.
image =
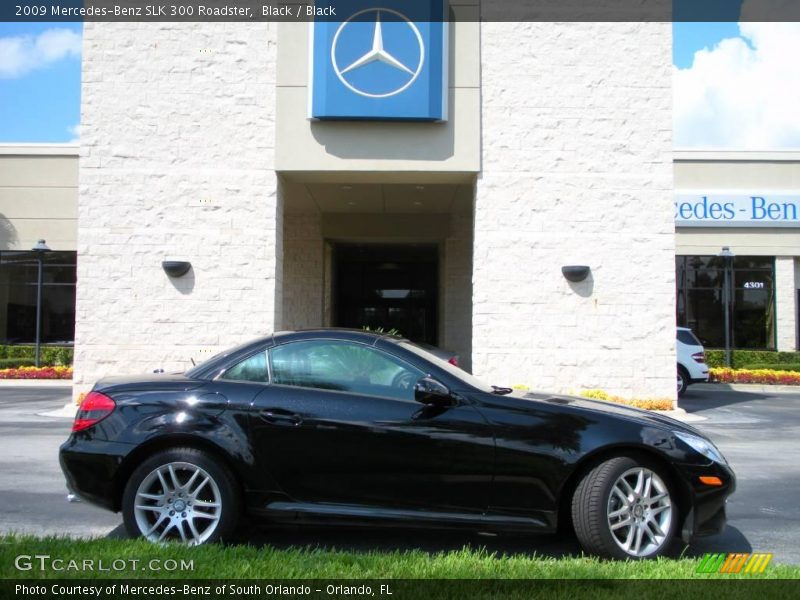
(429, 391)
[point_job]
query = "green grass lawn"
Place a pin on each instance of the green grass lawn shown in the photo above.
(265, 562)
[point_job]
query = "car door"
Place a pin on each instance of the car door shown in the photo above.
(339, 424)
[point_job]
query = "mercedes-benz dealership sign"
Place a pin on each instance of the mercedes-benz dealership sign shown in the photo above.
(380, 64)
(737, 210)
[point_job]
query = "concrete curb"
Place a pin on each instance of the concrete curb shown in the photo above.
(745, 387)
(681, 415)
(65, 383)
(65, 412)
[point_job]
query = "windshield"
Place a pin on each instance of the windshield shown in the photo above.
(456, 372)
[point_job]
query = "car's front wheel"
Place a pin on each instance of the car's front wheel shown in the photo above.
(183, 495)
(623, 508)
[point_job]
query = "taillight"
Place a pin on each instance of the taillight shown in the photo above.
(453, 361)
(94, 408)
(699, 357)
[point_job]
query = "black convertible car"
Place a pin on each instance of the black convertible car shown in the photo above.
(362, 428)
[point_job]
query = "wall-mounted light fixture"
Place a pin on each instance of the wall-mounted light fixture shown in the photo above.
(575, 273)
(176, 268)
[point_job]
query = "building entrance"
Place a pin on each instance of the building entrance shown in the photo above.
(389, 287)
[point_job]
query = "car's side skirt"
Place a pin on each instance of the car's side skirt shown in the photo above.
(309, 512)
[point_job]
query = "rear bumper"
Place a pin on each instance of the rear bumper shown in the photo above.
(91, 470)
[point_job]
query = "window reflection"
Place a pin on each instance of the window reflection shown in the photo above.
(700, 305)
(18, 283)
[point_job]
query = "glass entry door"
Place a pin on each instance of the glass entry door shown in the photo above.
(388, 287)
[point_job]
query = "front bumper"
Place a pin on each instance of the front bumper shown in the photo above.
(707, 515)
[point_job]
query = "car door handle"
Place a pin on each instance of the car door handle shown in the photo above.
(281, 418)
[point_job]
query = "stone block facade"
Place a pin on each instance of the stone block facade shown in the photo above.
(577, 169)
(177, 162)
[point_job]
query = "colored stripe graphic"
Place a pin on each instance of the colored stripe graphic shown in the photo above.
(710, 563)
(734, 562)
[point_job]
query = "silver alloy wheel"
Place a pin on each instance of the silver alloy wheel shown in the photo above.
(178, 501)
(639, 512)
(680, 382)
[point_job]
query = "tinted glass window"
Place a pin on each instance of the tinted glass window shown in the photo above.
(456, 372)
(253, 368)
(687, 338)
(343, 366)
(702, 299)
(19, 278)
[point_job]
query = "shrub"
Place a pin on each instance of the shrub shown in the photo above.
(49, 355)
(741, 358)
(13, 363)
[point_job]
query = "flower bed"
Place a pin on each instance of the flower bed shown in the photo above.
(644, 403)
(37, 373)
(766, 376)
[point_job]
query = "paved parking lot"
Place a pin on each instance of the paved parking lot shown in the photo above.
(757, 432)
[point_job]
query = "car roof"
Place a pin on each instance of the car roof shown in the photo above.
(333, 333)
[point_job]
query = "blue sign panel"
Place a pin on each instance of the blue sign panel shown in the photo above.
(380, 63)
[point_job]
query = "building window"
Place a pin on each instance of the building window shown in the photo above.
(18, 281)
(700, 298)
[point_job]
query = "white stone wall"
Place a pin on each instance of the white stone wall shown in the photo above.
(456, 297)
(577, 169)
(177, 162)
(785, 303)
(303, 268)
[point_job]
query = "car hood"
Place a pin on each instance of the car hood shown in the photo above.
(644, 417)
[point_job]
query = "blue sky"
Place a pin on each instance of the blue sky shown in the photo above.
(728, 95)
(39, 82)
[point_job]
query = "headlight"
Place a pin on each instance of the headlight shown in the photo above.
(701, 445)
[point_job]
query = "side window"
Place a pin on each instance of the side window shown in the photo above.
(253, 368)
(345, 367)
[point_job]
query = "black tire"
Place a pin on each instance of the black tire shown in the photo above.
(683, 380)
(221, 489)
(592, 505)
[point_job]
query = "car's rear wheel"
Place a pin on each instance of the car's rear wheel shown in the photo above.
(182, 495)
(683, 380)
(623, 508)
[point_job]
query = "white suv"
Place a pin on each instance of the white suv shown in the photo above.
(692, 367)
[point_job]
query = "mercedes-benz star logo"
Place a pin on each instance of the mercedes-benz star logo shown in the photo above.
(407, 69)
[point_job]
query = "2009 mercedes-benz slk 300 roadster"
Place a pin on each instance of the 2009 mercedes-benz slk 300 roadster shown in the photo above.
(356, 427)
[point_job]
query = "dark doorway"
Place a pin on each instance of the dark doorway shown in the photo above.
(387, 286)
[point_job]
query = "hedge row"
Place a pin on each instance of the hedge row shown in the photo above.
(49, 355)
(15, 363)
(742, 359)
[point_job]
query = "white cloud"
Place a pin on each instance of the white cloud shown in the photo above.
(744, 93)
(75, 132)
(24, 53)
